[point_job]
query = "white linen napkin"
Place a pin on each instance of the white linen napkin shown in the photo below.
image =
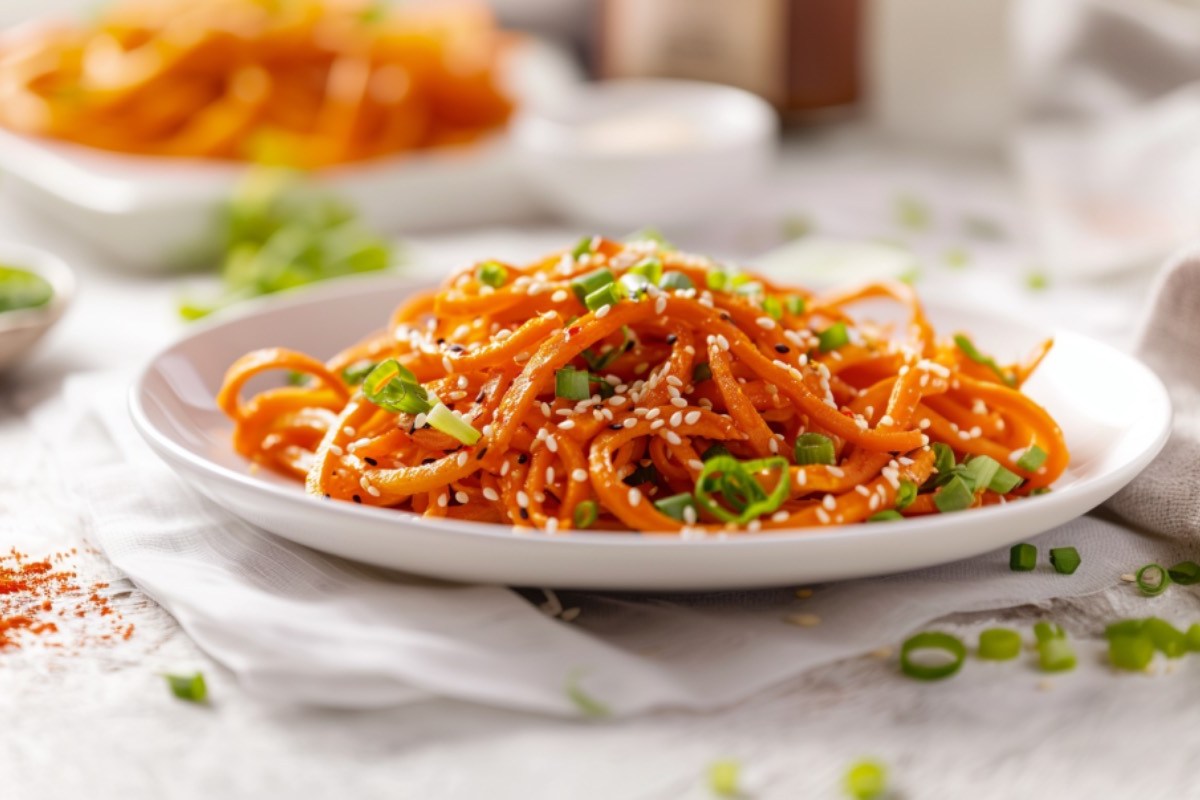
(298, 626)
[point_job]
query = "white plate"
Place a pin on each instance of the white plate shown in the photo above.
(154, 214)
(1114, 412)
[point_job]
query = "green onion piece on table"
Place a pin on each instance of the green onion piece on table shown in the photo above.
(1193, 637)
(813, 448)
(1153, 580)
(1130, 652)
(191, 688)
(1022, 557)
(915, 651)
(1167, 639)
(956, 495)
(21, 289)
(1065, 560)
(1055, 653)
(587, 705)
(865, 780)
(1185, 573)
(833, 337)
(723, 778)
(999, 644)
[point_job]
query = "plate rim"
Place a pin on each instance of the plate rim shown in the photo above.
(168, 449)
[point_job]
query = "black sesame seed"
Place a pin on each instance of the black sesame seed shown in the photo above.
(522, 458)
(615, 427)
(357, 499)
(782, 348)
(481, 454)
(725, 317)
(524, 513)
(672, 339)
(371, 461)
(429, 461)
(327, 495)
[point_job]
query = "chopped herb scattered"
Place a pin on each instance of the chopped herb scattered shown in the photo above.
(701, 372)
(813, 448)
(911, 213)
(915, 653)
(675, 505)
(971, 352)
(672, 281)
(833, 337)
(1167, 639)
(1132, 652)
(585, 284)
(1055, 653)
(723, 778)
(999, 644)
(393, 387)
(744, 497)
(450, 423)
(21, 289)
(887, 515)
(1037, 281)
(1022, 557)
(955, 495)
(492, 273)
(1065, 560)
(587, 705)
(582, 248)
(865, 780)
(356, 373)
(571, 384)
(191, 688)
(1153, 580)
(1185, 573)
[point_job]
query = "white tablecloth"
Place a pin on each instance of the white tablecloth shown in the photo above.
(100, 723)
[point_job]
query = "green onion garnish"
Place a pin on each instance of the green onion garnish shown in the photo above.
(716, 280)
(582, 248)
(723, 778)
(633, 285)
(671, 281)
(587, 705)
(298, 378)
(1185, 573)
(833, 337)
(943, 458)
(571, 384)
(1040, 490)
(979, 471)
(1022, 557)
(1004, 481)
(999, 644)
(701, 372)
(1193, 637)
(932, 640)
(1130, 652)
(1055, 653)
(1153, 580)
(188, 687)
(905, 495)
(865, 780)
(585, 514)
(649, 268)
(585, 284)
(450, 423)
(813, 448)
(746, 288)
(608, 295)
(356, 373)
(1032, 458)
(1167, 639)
(956, 495)
(674, 505)
(971, 352)
(1125, 627)
(20, 289)
(740, 490)
(795, 305)
(392, 387)
(887, 515)
(1065, 560)
(773, 307)
(492, 273)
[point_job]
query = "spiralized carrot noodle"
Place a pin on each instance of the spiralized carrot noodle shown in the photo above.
(301, 83)
(670, 399)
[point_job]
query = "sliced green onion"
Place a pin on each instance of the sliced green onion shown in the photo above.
(773, 308)
(1004, 481)
(1055, 653)
(887, 515)
(587, 705)
(393, 387)
(1153, 580)
(1193, 638)
(999, 644)
(979, 471)
(633, 285)
(716, 280)
(723, 778)
(1185, 573)
(865, 780)
(1125, 627)
(813, 448)
(1132, 653)
(492, 273)
(583, 247)
(740, 490)
(649, 268)
(795, 305)
(833, 337)
(585, 284)
(970, 351)
(673, 280)
(608, 295)
(1046, 631)
(585, 514)
(356, 373)
(943, 458)
(905, 495)
(1022, 557)
(674, 505)
(1065, 560)
(21, 289)
(713, 451)
(1167, 639)
(1040, 490)
(956, 495)
(448, 422)
(298, 378)
(701, 372)
(188, 687)
(924, 642)
(571, 384)
(1032, 458)
(746, 288)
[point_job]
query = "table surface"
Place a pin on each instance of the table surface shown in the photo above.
(98, 721)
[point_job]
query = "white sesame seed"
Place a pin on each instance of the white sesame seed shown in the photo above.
(462, 458)
(660, 305)
(754, 526)
(679, 402)
(551, 444)
(823, 516)
(522, 499)
(443, 500)
(864, 491)
(635, 497)
(348, 430)
(773, 445)
(886, 420)
(504, 468)
(490, 494)
(337, 451)
(549, 474)
(552, 527)
(829, 501)
(836, 472)
(371, 490)
(676, 419)
(765, 322)
(602, 312)
(462, 497)
(559, 296)
(779, 516)
(923, 424)
(674, 381)
(695, 463)
(689, 515)
(629, 422)
(658, 423)
(447, 365)
(566, 424)
(579, 475)
(673, 438)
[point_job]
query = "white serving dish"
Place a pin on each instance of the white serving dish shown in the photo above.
(20, 330)
(1113, 410)
(625, 153)
(153, 214)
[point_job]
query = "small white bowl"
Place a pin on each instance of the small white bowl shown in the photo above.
(20, 329)
(631, 153)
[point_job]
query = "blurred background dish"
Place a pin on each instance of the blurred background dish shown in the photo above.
(35, 290)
